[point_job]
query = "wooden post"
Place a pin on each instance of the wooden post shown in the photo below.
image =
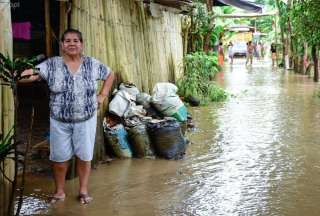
(48, 28)
(63, 19)
(206, 47)
(6, 101)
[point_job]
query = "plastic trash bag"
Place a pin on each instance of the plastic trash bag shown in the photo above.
(143, 99)
(117, 139)
(166, 100)
(129, 88)
(140, 142)
(134, 110)
(167, 139)
(121, 102)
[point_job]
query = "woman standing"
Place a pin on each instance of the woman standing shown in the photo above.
(72, 80)
(220, 55)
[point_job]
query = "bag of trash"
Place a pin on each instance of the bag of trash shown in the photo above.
(154, 113)
(139, 140)
(121, 102)
(181, 114)
(166, 100)
(164, 91)
(144, 100)
(184, 127)
(134, 110)
(167, 139)
(129, 88)
(117, 139)
(193, 101)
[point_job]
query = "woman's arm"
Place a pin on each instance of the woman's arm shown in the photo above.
(29, 76)
(106, 86)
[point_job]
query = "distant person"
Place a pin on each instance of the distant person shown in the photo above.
(262, 50)
(250, 50)
(274, 54)
(230, 52)
(220, 55)
(258, 48)
(255, 50)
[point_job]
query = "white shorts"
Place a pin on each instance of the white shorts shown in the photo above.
(68, 139)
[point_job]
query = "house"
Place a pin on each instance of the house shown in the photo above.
(140, 40)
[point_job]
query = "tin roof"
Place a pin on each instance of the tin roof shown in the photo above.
(183, 5)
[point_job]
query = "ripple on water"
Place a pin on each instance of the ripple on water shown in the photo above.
(34, 205)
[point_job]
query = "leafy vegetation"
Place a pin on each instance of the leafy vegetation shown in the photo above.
(305, 17)
(201, 64)
(203, 25)
(6, 145)
(305, 20)
(10, 71)
(199, 69)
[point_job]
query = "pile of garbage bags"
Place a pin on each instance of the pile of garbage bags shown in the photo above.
(144, 126)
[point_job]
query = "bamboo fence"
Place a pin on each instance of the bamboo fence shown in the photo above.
(6, 103)
(140, 47)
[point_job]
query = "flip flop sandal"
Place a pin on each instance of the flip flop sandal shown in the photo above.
(84, 198)
(54, 199)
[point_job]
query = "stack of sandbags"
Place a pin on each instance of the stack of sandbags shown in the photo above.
(142, 128)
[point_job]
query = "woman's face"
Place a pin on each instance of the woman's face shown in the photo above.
(71, 45)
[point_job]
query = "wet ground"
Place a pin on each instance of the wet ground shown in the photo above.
(256, 154)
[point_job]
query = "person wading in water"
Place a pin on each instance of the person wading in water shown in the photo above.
(220, 55)
(250, 50)
(273, 50)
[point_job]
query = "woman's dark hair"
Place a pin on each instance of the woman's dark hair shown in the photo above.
(73, 31)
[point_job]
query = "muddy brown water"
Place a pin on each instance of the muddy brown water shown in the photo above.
(256, 154)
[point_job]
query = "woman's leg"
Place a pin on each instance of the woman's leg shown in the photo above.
(60, 153)
(83, 169)
(59, 172)
(83, 140)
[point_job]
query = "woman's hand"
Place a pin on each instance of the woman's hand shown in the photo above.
(100, 100)
(29, 76)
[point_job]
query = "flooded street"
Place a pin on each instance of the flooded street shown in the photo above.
(255, 154)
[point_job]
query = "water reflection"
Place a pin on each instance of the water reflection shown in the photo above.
(34, 205)
(256, 154)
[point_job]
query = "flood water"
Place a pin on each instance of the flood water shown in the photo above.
(256, 154)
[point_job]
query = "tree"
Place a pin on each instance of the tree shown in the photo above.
(305, 17)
